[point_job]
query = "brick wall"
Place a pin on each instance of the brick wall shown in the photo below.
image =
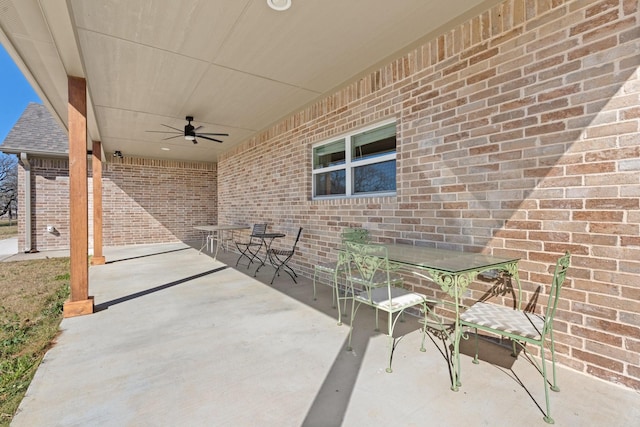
(49, 184)
(144, 201)
(150, 201)
(518, 135)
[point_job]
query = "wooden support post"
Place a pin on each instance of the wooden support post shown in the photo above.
(96, 168)
(79, 302)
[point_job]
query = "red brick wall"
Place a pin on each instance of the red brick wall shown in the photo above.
(144, 201)
(518, 135)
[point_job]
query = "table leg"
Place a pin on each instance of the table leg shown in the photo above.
(267, 246)
(205, 241)
(218, 235)
(266, 253)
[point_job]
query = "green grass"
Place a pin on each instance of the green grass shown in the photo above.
(8, 229)
(32, 294)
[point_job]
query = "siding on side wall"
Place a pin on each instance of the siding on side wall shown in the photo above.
(518, 135)
(144, 201)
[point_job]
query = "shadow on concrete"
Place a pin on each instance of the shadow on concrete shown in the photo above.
(333, 398)
(147, 255)
(106, 305)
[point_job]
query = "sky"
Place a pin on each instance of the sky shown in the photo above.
(15, 93)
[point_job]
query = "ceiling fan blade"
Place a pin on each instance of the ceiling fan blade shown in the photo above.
(214, 134)
(171, 137)
(162, 131)
(171, 127)
(206, 137)
(196, 128)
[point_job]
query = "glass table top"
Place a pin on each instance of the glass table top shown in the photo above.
(443, 259)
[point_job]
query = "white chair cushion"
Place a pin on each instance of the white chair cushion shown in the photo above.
(379, 278)
(326, 267)
(400, 298)
(506, 319)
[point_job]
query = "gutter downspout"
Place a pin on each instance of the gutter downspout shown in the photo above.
(27, 201)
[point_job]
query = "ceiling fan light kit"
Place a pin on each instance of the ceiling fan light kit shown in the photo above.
(279, 5)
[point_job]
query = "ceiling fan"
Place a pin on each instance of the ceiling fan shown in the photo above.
(190, 132)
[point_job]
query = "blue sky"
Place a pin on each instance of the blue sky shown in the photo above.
(15, 93)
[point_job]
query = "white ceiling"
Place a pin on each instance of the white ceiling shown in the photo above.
(235, 65)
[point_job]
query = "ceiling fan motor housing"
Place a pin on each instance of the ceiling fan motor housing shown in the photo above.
(189, 130)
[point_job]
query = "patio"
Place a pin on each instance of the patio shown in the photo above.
(181, 339)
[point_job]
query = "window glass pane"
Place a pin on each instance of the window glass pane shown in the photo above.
(375, 177)
(329, 155)
(330, 183)
(374, 142)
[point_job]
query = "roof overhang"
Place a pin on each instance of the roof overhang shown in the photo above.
(237, 66)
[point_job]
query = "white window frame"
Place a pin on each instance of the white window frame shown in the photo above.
(349, 164)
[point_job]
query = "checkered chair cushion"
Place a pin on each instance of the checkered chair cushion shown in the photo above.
(501, 318)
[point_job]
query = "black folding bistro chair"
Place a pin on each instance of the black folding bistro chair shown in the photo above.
(249, 249)
(279, 258)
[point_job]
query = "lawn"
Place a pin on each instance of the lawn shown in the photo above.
(32, 294)
(8, 229)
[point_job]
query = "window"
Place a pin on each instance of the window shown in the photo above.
(359, 164)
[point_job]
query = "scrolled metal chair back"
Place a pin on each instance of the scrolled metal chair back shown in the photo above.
(359, 235)
(367, 259)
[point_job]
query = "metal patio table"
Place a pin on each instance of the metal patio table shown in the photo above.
(267, 240)
(453, 271)
(218, 232)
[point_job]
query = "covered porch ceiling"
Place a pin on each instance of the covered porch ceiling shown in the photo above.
(237, 66)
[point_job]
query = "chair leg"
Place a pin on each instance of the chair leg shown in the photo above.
(547, 418)
(276, 273)
(391, 340)
(424, 329)
(336, 290)
(456, 371)
(243, 254)
(253, 256)
(240, 257)
(475, 358)
(554, 386)
(315, 274)
(281, 265)
(354, 309)
(342, 312)
(334, 298)
(345, 298)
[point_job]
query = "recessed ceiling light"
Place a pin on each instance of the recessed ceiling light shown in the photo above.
(165, 149)
(279, 5)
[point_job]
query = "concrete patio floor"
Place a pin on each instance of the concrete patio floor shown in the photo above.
(181, 339)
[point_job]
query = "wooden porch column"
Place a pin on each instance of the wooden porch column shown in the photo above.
(96, 167)
(79, 302)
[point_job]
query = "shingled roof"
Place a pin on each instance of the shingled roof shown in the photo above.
(36, 132)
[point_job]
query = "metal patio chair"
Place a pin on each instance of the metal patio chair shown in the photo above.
(338, 268)
(279, 258)
(370, 264)
(522, 327)
(249, 248)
